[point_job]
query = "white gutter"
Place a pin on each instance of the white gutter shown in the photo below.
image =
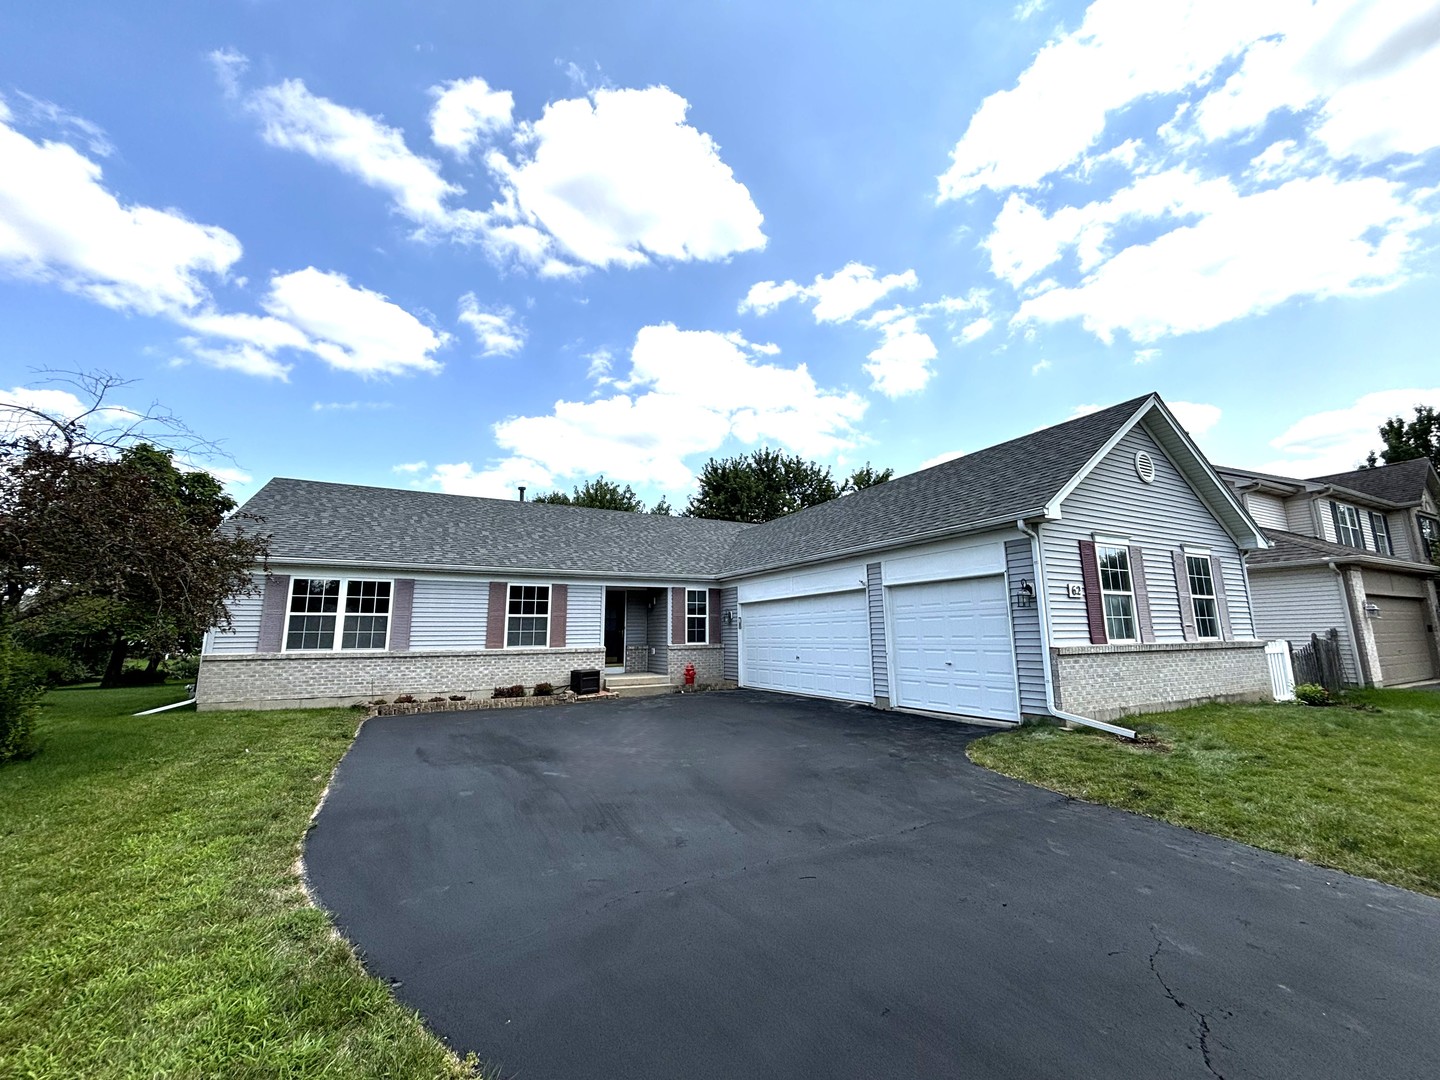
(1042, 594)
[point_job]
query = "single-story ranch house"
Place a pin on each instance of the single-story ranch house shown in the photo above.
(1095, 568)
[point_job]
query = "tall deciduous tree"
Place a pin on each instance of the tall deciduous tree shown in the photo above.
(597, 494)
(1407, 440)
(103, 515)
(865, 476)
(760, 486)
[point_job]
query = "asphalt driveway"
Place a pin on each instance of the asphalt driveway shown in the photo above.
(746, 885)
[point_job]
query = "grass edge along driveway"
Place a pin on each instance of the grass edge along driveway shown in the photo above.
(1352, 787)
(151, 919)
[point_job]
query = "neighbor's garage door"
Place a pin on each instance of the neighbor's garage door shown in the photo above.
(814, 645)
(952, 648)
(1401, 640)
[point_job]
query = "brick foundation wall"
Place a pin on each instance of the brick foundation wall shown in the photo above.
(314, 680)
(1107, 682)
(709, 661)
(637, 658)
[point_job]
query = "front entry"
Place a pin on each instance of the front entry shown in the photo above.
(614, 628)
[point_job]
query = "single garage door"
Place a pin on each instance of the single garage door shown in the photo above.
(1401, 640)
(952, 648)
(814, 645)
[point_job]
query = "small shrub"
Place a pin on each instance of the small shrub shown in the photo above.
(437, 697)
(20, 692)
(1312, 694)
(379, 701)
(405, 699)
(457, 697)
(184, 668)
(139, 676)
(543, 689)
(51, 670)
(518, 690)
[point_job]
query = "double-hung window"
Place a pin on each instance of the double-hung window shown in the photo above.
(1202, 596)
(354, 611)
(1430, 537)
(527, 619)
(1117, 592)
(697, 616)
(1347, 526)
(1381, 528)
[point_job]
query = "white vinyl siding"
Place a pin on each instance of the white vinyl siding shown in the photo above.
(1267, 510)
(244, 634)
(449, 614)
(1159, 518)
(584, 616)
(1300, 512)
(730, 601)
(1293, 604)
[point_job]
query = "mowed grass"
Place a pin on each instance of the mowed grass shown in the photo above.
(151, 923)
(1341, 787)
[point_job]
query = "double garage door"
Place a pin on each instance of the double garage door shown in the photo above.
(950, 644)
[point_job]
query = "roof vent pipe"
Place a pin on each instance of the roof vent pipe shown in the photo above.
(522, 492)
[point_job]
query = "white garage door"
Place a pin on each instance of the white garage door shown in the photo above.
(814, 645)
(952, 648)
(1401, 640)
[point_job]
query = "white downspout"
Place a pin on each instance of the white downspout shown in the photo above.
(1043, 594)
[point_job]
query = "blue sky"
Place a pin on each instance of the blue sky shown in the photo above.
(467, 246)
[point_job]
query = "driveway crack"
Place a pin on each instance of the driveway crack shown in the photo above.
(1202, 1019)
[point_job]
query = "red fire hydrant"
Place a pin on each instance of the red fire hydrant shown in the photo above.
(689, 674)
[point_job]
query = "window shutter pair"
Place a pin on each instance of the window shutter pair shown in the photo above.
(275, 611)
(1187, 603)
(498, 611)
(1094, 599)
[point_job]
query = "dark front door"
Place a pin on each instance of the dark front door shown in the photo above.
(614, 627)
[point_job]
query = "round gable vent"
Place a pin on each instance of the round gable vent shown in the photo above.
(1145, 466)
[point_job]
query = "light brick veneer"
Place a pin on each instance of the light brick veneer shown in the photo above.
(1106, 682)
(313, 680)
(709, 661)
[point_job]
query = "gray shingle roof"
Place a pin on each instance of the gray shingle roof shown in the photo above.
(345, 523)
(312, 521)
(1403, 482)
(1295, 549)
(1014, 479)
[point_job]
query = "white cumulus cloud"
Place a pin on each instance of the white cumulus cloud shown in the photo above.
(900, 365)
(1337, 440)
(467, 112)
(841, 296)
(496, 329)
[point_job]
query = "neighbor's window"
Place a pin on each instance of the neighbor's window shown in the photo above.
(315, 608)
(527, 621)
(1430, 535)
(1381, 528)
(1202, 596)
(696, 615)
(1117, 592)
(1347, 526)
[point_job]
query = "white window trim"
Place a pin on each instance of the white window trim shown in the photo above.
(549, 610)
(1104, 592)
(1340, 525)
(1379, 515)
(705, 599)
(340, 614)
(1214, 597)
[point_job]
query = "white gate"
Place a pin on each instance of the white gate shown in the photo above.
(1282, 675)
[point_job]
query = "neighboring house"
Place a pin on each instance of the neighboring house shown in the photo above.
(1352, 552)
(1094, 567)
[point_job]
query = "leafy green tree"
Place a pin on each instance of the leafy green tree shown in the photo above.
(865, 476)
(597, 494)
(662, 508)
(104, 522)
(760, 486)
(1405, 441)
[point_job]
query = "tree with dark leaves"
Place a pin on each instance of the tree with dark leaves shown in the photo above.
(597, 494)
(1405, 441)
(760, 486)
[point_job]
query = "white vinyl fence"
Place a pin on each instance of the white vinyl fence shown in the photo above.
(1282, 674)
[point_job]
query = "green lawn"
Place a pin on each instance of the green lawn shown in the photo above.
(1351, 789)
(151, 923)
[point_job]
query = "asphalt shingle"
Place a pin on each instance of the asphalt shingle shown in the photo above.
(1403, 482)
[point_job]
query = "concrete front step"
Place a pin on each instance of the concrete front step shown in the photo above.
(638, 684)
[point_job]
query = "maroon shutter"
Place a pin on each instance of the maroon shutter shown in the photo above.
(677, 616)
(495, 616)
(1222, 605)
(273, 609)
(402, 605)
(1094, 604)
(1182, 586)
(712, 605)
(1142, 595)
(559, 611)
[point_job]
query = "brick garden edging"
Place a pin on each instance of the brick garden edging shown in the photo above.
(410, 708)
